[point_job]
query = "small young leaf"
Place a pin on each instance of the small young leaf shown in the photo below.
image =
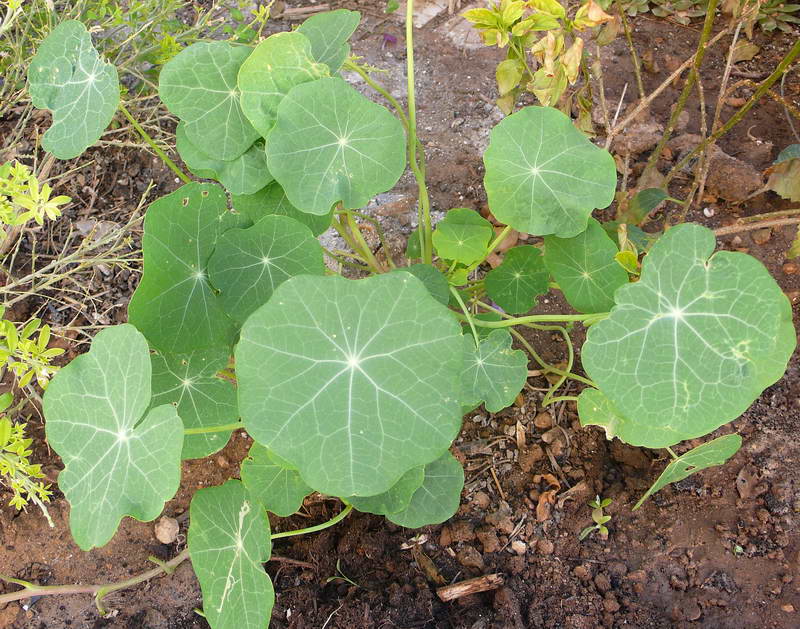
(328, 33)
(332, 144)
(543, 176)
(272, 201)
(519, 280)
(433, 278)
(463, 235)
(68, 77)
(438, 497)
(396, 499)
(585, 268)
(644, 202)
(493, 372)
(709, 454)
(229, 541)
(279, 488)
(120, 458)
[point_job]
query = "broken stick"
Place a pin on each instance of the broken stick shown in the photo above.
(470, 586)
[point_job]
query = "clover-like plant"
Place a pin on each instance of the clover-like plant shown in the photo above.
(356, 386)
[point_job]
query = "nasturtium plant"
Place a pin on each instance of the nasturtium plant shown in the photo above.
(493, 372)
(462, 236)
(272, 200)
(273, 482)
(519, 280)
(329, 34)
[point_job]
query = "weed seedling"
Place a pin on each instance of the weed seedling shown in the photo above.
(598, 517)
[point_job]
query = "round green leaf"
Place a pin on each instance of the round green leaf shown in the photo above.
(246, 174)
(543, 176)
(120, 459)
(68, 77)
(229, 541)
(277, 64)
(332, 144)
(433, 278)
(279, 488)
(355, 395)
(190, 383)
(690, 345)
(493, 372)
(328, 33)
(438, 497)
(585, 268)
(519, 280)
(396, 499)
(463, 235)
(272, 200)
(199, 86)
(248, 264)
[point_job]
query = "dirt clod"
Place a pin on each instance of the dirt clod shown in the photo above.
(166, 530)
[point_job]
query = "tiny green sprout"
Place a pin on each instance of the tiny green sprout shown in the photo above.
(738, 550)
(341, 576)
(599, 518)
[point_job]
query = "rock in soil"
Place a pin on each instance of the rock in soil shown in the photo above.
(166, 530)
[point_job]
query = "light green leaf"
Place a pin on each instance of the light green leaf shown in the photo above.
(438, 497)
(272, 200)
(433, 278)
(229, 540)
(328, 33)
(355, 396)
(68, 77)
(248, 264)
(190, 383)
(709, 454)
(595, 409)
(246, 174)
(279, 488)
(199, 86)
(690, 345)
(277, 64)
(120, 459)
(519, 280)
(585, 268)
(543, 176)
(174, 305)
(493, 372)
(396, 499)
(332, 144)
(462, 235)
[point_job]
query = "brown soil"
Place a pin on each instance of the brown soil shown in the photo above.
(717, 550)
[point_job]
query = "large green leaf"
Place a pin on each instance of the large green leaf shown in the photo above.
(595, 409)
(248, 264)
(229, 540)
(332, 144)
(190, 382)
(519, 280)
(246, 174)
(493, 372)
(120, 459)
(174, 305)
(709, 454)
(272, 200)
(279, 488)
(396, 499)
(585, 268)
(438, 497)
(689, 346)
(355, 395)
(543, 176)
(199, 86)
(463, 235)
(68, 77)
(328, 33)
(277, 64)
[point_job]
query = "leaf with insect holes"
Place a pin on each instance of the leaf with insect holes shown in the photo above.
(278, 487)
(248, 264)
(396, 499)
(246, 174)
(120, 459)
(519, 280)
(277, 64)
(689, 346)
(493, 372)
(203, 399)
(543, 176)
(272, 201)
(328, 33)
(585, 268)
(68, 77)
(438, 497)
(709, 454)
(175, 306)
(463, 235)
(433, 278)
(332, 144)
(229, 541)
(198, 85)
(355, 396)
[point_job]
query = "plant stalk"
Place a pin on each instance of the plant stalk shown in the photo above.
(151, 143)
(209, 429)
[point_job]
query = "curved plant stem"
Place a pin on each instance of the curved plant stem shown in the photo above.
(319, 527)
(353, 243)
(381, 234)
(671, 453)
(363, 245)
(151, 143)
(507, 323)
(547, 366)
(637, 66)
(494, 245)
(460, 301)
(208, 429)
(350, 65)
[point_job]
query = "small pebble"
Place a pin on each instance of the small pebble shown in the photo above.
(166, 530)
